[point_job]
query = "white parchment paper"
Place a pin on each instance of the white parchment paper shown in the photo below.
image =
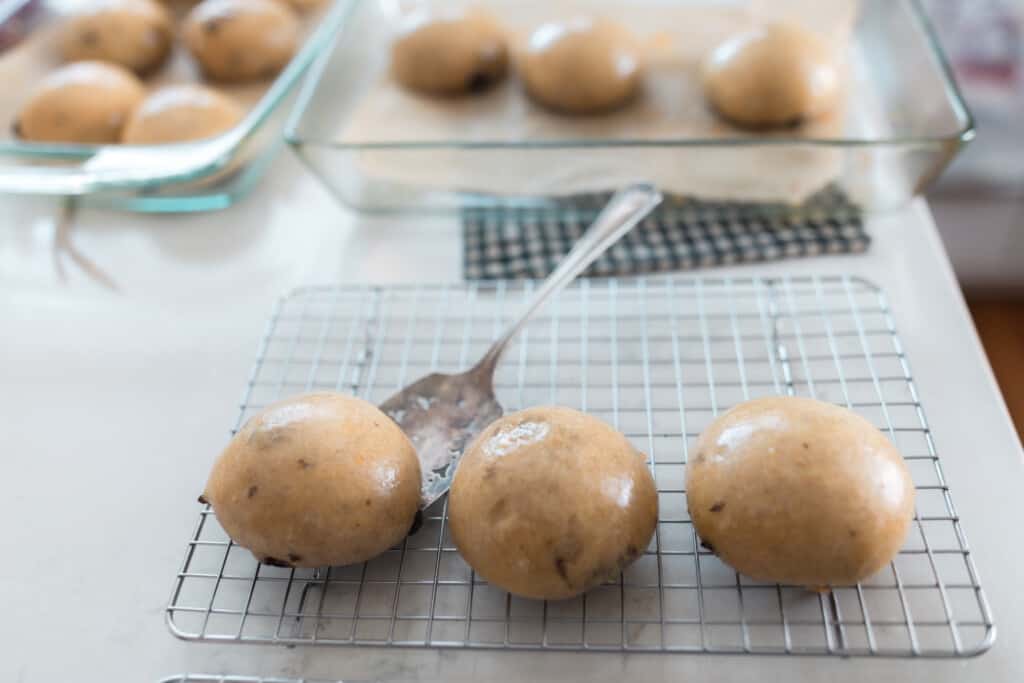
(674, 38)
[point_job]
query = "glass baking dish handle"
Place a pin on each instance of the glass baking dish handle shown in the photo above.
(124, 167)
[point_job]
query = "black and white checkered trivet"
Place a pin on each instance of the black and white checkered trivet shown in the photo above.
(510, 243)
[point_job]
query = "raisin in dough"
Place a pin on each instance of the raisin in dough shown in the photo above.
(241, 40)
(797, 491)
(135, 34)
(775, 75)
(316, 480)
(549, 502)
(449, 54)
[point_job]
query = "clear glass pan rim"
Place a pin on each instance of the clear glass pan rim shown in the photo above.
(963, 135)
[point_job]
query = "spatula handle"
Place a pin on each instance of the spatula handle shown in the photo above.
(625, 209)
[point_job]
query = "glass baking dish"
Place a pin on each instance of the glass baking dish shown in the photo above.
(902, 121)
(193, 176)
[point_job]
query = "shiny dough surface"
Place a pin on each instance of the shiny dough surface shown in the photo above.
(82, 102)
(779, 74)
(549, 502)
(800, 492)
(449, 54)
(316, 480)
(179, 113)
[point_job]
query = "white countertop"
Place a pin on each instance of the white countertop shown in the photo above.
(114, 404)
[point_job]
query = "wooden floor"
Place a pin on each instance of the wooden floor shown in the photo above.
(1001, 326)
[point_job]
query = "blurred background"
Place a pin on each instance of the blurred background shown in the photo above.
(979, 202)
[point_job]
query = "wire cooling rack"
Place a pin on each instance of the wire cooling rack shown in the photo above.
(658, 358)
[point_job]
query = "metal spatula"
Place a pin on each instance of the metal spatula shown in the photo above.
(441, 413)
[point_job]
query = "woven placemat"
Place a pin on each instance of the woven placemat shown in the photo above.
(682, 234)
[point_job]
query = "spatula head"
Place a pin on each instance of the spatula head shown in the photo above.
(441, 415)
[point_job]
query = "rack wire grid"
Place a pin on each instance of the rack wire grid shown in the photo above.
(658, 358)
